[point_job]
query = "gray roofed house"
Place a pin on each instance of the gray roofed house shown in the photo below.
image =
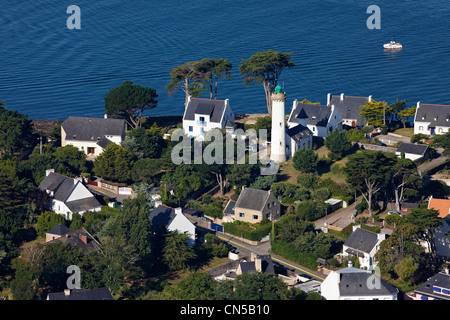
(202, 115)
(254, 205)
(92, 135)
(82, 294)
(350, 108)
(68, 195)
(172, 219)
(436, 287)
(57, 232)
(363, 244)
(431, 119)
(414, 151)
(257, 263)
(320, 119)
(297, 137)
(80, 239)
(356, 284)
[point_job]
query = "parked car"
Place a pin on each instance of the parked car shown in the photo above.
(396, 212)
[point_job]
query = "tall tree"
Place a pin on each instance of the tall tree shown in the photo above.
(129, 101)
(406, 114)
(212, 70)
(187, 78)
(305, 160)
(368, 171)
(114, 163)
(176, 252)
(16, 132)
(265, 68)
(405, 180)
(338, 143)
(375, 112)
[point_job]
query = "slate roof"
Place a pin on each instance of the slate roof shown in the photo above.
(362, 240)
(299, 132)
(75, 238)
(254, 199)
(413, 148)
(211, 107)
(83, 294)
(61, 185)
(441, 280)
(250, 266)
(104, 142)
(82, 205)
(229, 209)
(354, 282)
(436, 114)
(59, 230)
(92, 129)
(162, 215)
(350, 107)
(315, 114)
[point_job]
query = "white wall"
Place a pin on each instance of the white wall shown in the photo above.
(182, 224)
(79, 192)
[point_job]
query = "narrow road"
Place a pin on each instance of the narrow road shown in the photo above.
(264, 249)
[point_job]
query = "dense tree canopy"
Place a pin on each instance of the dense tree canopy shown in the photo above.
(16, 132)
(265, 68)
(129, 101)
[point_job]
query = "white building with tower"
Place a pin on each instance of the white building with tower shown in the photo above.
(278, 141)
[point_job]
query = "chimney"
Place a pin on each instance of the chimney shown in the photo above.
(328, 99)
(258, 264)
(418, 104)
(253, 256)
(178, 210)
(446, 271)
(67, 292)
(105, 116)
(47, 172)
(342, 96)
(84, 238)
(370, 98)
(350, 264)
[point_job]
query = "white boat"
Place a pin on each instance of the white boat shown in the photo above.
(392, 45)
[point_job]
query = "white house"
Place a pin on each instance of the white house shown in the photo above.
(431, 119)
(350, 108)
(173, 219)
(202, 115)
(356, 284)
(68, 195)
(92, 135)
(319, 119)
(364, 245)
(413, 151)
(297, 137)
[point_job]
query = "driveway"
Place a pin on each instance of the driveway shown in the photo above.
(340, 218)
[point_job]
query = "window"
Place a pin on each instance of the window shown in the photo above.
(202, 118)
(191, 128)
(255, 217)
(241, 215)
(420, 128)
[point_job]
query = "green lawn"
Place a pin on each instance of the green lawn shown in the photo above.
(407, 132)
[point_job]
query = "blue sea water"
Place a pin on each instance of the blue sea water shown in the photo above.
(50, 72)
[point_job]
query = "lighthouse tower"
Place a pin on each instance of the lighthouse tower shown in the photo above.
(278, 143)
